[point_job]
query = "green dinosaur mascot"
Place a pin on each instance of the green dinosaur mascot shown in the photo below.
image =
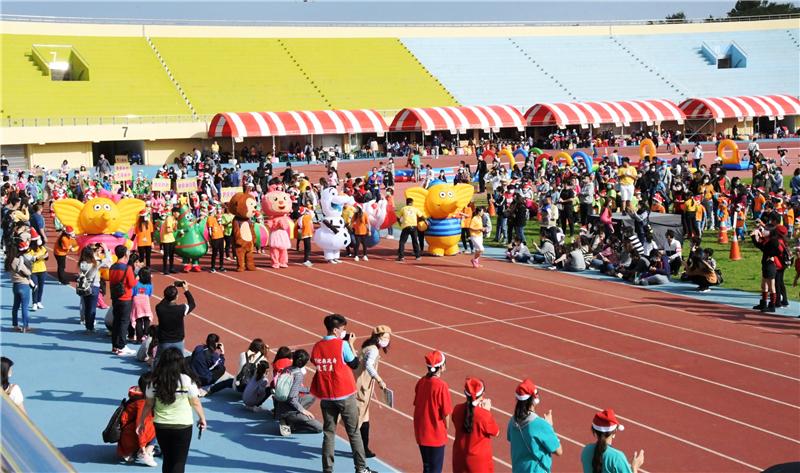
(190, 242)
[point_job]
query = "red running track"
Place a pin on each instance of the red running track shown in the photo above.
(691, 380)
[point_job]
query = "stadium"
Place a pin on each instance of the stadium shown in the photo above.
(110, 110)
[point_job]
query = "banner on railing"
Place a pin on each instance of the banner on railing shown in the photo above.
(186, 185)
(123, 172)
(161, 184)
(226, 193)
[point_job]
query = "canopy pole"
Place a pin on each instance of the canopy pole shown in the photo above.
(424, 153)
(274, 153)
(233, 147)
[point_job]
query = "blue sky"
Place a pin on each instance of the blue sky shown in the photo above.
(371, 10)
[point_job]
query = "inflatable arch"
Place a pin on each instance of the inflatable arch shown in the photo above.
(734, 161)
(647, 148)
(505, 152)
(585, 157)
(563, 157)
(521, 152)
(536, 151)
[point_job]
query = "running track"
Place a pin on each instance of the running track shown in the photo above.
(699, 386)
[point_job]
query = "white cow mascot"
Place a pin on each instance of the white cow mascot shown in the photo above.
(376, 215)
(332, 235)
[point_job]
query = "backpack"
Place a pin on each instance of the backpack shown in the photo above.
(117, 289)
(247, 372)
(283, 386)
(84, 286)
(113, 430)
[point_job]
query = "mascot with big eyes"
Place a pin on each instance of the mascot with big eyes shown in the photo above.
(100, 220)
(440, 203)
(332, 235)
(243, 206)
(190, 240)
(277, 205)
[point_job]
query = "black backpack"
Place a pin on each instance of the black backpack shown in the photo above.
(117, 289)
(247, 372)
(113, 430)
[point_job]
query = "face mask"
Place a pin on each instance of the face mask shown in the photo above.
(303, 370)
(383, 343)
(343, 334)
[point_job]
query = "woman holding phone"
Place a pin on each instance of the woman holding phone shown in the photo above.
(171, 396)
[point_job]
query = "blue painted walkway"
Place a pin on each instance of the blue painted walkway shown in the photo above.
(720, 295)
(72, 384)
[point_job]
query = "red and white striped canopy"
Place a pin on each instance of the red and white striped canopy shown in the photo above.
(458, 119)
(321, 122)
(746, 106)
(623, 112)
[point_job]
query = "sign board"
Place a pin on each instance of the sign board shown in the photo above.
(227, 192)
(123, 172)
(121, 159)
(186, 185)
(160, 184)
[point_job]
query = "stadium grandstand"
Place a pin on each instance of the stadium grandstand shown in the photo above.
(61, 83)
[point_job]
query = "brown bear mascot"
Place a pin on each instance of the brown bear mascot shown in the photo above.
(242, 206)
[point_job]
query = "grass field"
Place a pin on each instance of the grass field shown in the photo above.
(744, 274)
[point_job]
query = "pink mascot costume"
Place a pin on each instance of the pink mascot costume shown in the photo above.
(277, 205)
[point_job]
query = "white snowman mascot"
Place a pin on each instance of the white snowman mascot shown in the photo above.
(332, 235)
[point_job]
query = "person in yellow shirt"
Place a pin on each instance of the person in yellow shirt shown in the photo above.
(168, 228)
(476, 236)
(409, 216)
(38, 254)
(690, 206)
(217, 236)
(627, 175)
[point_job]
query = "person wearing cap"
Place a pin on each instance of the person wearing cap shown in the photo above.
(144, 236)
(21, 285)
(475, 427)
(601, 457)
(533, 440)
(335, 386)
(367, 376)
(168, 227)
(432, 409)
(38, 255)
(65, 243)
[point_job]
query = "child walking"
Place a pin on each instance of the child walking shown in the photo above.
(476, 236)
(141, 313)
(305, 226)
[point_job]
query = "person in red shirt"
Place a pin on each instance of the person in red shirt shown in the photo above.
(121, 281)
(475, 427)
(335, 386)
(432, 409)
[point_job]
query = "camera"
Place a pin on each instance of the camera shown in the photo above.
(179, 284)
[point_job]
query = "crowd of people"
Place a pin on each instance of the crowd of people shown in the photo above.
(578, 200)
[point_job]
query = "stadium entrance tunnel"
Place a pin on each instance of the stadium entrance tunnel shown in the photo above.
(132, 151)
(61, 62)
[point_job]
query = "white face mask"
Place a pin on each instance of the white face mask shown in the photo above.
(343, 334)
(383, 343)
(303, 370)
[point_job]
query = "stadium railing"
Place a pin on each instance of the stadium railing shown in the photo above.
(23, 447)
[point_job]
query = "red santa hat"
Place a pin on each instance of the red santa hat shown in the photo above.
(23, 246)
(69, 230)
(606, 421)
(473, 387)
(525, 390)
(434, 360)
(35, 236)
(658, 198)
(143, 212)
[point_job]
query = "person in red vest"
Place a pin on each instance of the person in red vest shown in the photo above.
(335, 386)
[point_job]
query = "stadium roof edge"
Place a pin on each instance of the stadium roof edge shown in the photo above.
(63, 26)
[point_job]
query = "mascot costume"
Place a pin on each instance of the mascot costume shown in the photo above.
(100, 220)
(276, 206)
(332, 235)
(190, 241)
(376, 216)
(243, 207)
(440, 203)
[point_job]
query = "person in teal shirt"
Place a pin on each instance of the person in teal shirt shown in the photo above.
(533, 440)
(601, 457)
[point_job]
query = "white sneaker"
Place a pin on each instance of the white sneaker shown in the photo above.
(308, 264)
(41, 306)
(285, 430)
(34, 308)
(365, 258)
(355, 259)
(125, 351)
(390, 237)
(146, 459)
